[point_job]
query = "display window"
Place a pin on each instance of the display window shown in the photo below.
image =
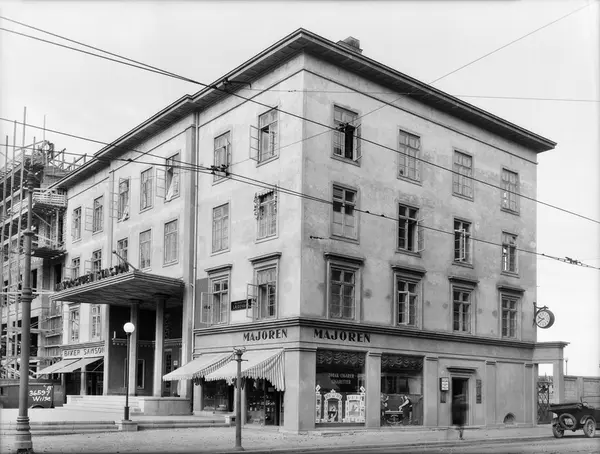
(217, 396)
(340, 387)
(401, 390)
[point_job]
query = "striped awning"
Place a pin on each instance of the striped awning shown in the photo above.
(199, 367)
(55, 368)
(82, 362)
(266, 364)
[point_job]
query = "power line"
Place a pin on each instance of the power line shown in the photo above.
(486, 55)
(366, 140)
(265, 185)
(163, 72)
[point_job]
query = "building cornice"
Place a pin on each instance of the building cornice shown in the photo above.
(398, 331)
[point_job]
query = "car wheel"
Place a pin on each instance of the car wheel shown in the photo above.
(589, 428)
(567, 421)
(557, 431)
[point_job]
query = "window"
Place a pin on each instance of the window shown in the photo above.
(266, 282)
(222, 155)
(268, 141)
(461, 309)
(462, 241)
(97, 260)
(98, 216)
(122, 246)
(346, 137)
(172, 177)
(171, 242)
(96, 322)
(406, 299)
(220, 228)
(266, 214)
(409, 164)
(75, 264)
(145, 249)
(220, 300)
(510, 192)
(343, 286)
(410, 230)
(146, 189)
(74, 325)
(509, 316)
(462, 177)
(123, 205)
(344, 215)
(140, 373)
(509, 252)
(76, 226)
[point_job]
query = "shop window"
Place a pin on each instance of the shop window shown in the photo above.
(340, 387)
(401, 376)
(216, 396)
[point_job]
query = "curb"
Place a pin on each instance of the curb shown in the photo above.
(399, 444)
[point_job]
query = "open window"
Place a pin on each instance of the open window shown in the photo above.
(264, 140)
(462, 241)
(346, 137)
(262, 294)
(222, 156)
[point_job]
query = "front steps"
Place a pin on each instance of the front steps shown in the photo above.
(111, 404)
(61, 427)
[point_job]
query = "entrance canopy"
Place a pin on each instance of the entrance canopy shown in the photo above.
(118, 289)
(266, 364)
(68, 365)
(54, 368)
(199, 367)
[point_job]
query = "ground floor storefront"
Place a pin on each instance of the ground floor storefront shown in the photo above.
(304, 377)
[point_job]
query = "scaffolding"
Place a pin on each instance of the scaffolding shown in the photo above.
(48, 246)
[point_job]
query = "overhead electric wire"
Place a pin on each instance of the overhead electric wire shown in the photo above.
(486, 55)
(158, 70)
(266, 185)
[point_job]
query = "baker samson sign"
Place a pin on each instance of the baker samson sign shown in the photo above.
(83, 352)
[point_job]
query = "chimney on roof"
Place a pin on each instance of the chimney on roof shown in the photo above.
(351, 43)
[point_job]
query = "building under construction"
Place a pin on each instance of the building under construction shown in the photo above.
(47, 165)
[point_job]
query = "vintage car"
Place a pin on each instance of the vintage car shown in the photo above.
(574, 416)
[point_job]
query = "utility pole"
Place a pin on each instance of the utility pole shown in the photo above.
(23, 442)
(238, 352)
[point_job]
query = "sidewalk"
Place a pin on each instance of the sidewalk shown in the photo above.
(256, 438)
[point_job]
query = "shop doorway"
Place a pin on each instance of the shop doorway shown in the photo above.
(264, 403)
(460, 386)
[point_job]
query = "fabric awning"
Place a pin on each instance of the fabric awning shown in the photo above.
(267, 364)
(79, 364)
(199, 367)
(54, 368)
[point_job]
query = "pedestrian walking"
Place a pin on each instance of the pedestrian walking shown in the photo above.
(459, 413)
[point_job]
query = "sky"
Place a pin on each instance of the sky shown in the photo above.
(559, 64)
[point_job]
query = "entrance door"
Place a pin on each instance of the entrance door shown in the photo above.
(264, 403)
(460, 386)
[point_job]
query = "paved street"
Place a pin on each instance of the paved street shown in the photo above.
(264, 439)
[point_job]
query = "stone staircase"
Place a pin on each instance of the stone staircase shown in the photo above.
(109, 404)
(60, 427)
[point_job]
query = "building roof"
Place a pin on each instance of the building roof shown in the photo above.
(338, 54)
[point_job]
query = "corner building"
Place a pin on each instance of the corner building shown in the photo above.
(345, 261)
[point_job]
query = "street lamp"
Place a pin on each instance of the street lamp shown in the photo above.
(128, 328)
(23, 442)
(238, 352)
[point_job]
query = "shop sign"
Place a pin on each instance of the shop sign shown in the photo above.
(92, 277)
(444, 383)
(350, 336)
(240, 305)
(265, 334)
(83, 352)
